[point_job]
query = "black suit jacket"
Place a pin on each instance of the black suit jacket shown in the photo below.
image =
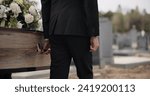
(70, 17)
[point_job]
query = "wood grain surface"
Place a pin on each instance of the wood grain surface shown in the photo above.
(18, 49)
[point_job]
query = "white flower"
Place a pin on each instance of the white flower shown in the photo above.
(29, 14)
(7, 9)
(2, 11)
(1, 1)
(33, 10)
(15, 8)
(29, 18)
(19, 25)
(40, 26)
(2, 23)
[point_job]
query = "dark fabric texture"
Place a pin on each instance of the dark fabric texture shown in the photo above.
(69, 24)
(65, 48)
(5, 75)
(46, 7)
(70, 17)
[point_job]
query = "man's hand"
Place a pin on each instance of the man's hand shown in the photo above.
(46, 47)
(94, 43)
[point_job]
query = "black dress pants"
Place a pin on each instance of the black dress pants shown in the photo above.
(63, 49)
(4, 75)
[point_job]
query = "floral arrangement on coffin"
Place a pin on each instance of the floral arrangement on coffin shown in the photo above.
(20, 14)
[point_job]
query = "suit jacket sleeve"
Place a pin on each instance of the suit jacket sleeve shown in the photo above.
(46, 7)
(92, 18)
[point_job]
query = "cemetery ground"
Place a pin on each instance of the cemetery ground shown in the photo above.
(138, 71)
(110, 72)
(141, 71)
(136, 66)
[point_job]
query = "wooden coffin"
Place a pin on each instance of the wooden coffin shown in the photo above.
(18, 49)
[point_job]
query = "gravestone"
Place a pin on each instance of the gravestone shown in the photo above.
(148, 42)
(123, 41)
(106, 40)
(143, 42)
(133, 37)
(96, 60)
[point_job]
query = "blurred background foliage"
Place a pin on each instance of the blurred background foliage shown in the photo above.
(123, 22)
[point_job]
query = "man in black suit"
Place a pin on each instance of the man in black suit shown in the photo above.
(70, 28)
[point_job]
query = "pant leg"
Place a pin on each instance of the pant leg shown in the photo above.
(5, 75)
(80, 50)
(60, 58)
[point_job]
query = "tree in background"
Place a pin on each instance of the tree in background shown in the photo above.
(124, 22)
(135, 18)
(145, 21)
(118, 20)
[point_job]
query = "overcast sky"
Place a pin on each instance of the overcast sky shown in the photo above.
(106, 5)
